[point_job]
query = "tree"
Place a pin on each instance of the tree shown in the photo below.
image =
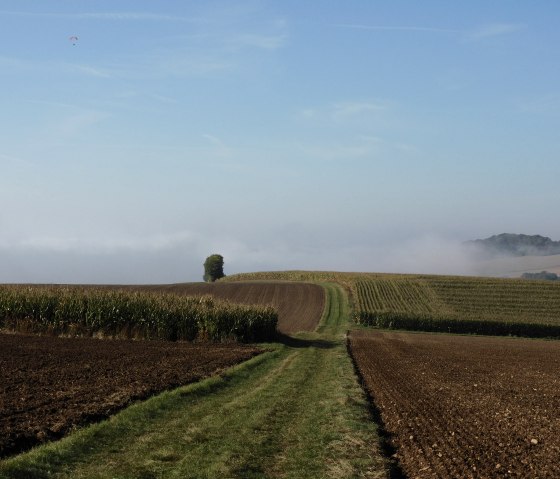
(213, 268)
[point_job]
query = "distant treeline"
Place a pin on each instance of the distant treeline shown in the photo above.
(516, 245)
(542, 275)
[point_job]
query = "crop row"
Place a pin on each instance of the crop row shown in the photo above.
(387, 295)
(118, 313)
(443, 303)
(467, 305)
(456, 323)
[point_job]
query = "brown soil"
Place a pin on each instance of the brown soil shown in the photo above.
(49, 385)
(465, 407)
(299, 305)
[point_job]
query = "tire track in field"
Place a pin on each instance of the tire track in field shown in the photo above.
(297, 412)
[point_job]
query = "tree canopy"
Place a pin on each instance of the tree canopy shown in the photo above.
(213, 268)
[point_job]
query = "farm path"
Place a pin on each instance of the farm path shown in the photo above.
(296, 411)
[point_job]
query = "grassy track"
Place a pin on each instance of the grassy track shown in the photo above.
(295, 412)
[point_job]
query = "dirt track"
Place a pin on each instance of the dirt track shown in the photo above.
(300, 305)
(465, 407)
(48, 385)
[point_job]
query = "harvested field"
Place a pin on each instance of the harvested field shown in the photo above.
(463, 406)
(299, 305)
(49, 385)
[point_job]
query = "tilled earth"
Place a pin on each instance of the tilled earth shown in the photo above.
(299, 305)
(465, 407)
(49, 385)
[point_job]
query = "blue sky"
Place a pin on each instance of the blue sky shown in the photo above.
(309, 135)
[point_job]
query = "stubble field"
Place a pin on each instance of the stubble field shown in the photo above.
(463, 406)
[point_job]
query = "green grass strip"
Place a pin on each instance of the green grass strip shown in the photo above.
(296, 411)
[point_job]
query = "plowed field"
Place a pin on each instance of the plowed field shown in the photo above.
(465, 407)
(299, 305)
(48, 385)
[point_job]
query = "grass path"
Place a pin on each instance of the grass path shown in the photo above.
(295, 412)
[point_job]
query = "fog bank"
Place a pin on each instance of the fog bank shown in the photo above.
(179, 257)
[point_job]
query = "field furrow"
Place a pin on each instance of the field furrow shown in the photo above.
(467, 407)
(50, 385)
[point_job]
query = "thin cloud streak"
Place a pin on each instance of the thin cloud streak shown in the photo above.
(263, 42)
(342, 110)
(396, 28)
(92, 71)
(345, 110)
(22, 65)
(117, 16)
(484, 31)
(494, 30)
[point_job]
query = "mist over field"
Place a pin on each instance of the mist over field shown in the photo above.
(137, 138)
(180, 258)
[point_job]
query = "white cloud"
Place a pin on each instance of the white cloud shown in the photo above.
(71, 125)
(493, 30)
(261, 41)
(346, 109)
(20, 65)
(308, 112)
(218, 150)
(343, 111)
(484, 31)
(93, 71)
(189, 63)
(163, 99)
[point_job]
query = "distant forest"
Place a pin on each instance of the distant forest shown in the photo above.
(509, 244)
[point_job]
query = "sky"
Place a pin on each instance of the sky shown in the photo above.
(353, 136)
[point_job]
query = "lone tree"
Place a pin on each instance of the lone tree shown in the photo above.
(213, 268)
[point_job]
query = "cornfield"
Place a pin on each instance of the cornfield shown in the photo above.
(459, 305)
(455, 304)
(131, 314)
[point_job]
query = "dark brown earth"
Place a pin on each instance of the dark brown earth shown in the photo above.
(49, 385)
(299, 305)
(465, 407)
